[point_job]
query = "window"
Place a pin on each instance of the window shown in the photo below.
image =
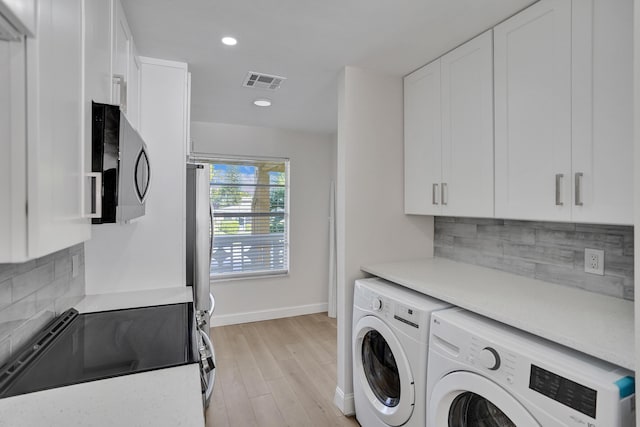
(250, 217)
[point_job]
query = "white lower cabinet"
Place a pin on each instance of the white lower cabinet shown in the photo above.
(43, 185)
(563, 107)
(449, 133)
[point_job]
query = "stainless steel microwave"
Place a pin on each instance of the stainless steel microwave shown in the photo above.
(120, 155)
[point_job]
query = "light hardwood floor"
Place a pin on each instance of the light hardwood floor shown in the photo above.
(276, 373)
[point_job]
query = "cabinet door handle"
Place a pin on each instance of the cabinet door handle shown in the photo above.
(443, 197)
(96, 195)
(434, 194)
(559, 177)
(118, 79)
(578, 190)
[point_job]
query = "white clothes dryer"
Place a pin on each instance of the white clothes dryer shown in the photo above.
(390, 339)
(484, 373)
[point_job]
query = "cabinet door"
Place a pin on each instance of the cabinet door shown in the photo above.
(533, 113)
(121, 55)
(133, 89)
(467, 129)
(602, 142)
(55, 154)
(422, 141)
(13, 186)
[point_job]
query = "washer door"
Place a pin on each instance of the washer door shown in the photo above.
(465, 399)
(383, 370)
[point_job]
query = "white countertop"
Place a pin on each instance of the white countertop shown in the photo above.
(598, 325)
(118, 300)
(166, 397)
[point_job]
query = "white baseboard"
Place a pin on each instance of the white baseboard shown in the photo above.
(345, 403)
(277, 313)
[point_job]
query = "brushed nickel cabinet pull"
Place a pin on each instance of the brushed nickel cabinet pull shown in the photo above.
(443, 197)
(434, 194)
(578, 190)
(559, 177)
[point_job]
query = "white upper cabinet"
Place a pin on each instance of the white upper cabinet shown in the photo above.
(121, 56)
(533, 113)
(467, 129)
(563, 106)
(13, 191)
(55, 145)
(125, 67)
(449, 133)
(133, 89)
(602, 132)
(98, 82)
(422, 141)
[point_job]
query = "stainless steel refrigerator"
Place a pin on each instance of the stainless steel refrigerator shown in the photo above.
(198, 261)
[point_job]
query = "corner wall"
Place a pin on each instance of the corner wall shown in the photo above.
(371, 224)
(636, 171)
(304, 290)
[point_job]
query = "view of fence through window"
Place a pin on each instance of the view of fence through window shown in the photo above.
(250, 214)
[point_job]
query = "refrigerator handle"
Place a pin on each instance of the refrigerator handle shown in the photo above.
(212, 302)
(210, 232)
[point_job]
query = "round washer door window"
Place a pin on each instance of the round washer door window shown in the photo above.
(472, 410)
(382, 370)
(466, 399)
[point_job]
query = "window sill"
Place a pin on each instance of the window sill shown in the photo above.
(261, 275)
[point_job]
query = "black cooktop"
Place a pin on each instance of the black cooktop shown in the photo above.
(76, 348)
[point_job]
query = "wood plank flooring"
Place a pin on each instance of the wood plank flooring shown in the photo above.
(276, 373)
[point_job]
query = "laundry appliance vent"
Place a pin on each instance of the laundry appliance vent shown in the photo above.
(263, 81)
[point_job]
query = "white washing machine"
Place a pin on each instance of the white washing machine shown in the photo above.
(484, 373)
(390, 339)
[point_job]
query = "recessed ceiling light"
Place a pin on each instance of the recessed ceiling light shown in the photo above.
(229, 41)
(262, 102)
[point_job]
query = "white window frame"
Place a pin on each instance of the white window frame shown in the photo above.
(217, 159)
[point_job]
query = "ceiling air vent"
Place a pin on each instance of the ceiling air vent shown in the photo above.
(263, 81)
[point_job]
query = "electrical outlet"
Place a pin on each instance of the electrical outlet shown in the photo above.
(594, 261)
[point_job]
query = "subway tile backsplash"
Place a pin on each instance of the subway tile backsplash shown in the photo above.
(549, 251)
(34, 292)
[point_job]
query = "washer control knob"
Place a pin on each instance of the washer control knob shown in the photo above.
(489, 358)
(376, 304)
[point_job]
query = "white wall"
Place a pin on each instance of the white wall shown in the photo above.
(372, 226)
(304, 290)
(636, 171)
(149, 252)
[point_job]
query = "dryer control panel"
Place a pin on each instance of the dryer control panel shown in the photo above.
(407, 315)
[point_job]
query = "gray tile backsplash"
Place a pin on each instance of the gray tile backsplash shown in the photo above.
(549, 251)
(34, 292)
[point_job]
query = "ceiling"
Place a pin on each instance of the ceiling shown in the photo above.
(307, 41)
